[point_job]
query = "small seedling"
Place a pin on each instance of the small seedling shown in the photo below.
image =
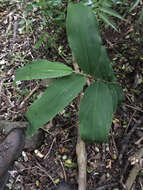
(100, 99)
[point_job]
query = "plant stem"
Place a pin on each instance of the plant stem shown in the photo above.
(82, 162)
(80, 148)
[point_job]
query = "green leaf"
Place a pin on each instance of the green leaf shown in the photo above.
(140, 18)
(39, 43)
(85, 41)
(70, 164)
(96, 111)
(105, 68)
(117, 95)
(111, 12)
(134, 5)
(107, 20)
(107, 4)
(58, 95)
(22, 22)
(41, 69)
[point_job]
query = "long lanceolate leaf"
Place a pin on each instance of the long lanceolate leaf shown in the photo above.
(85, 42)
(134, 5)
(117, 95)
(40, 69)
(58, 95)
(107, 20)
(96, 111)
(111, 12)
(140, 18)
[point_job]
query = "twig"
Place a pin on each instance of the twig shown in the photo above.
(50, 149)
(141, 184)
(114, 144)
(135, 170)
(104, 187)
(46, 173)
(127, 138)
(15, 28)
(65, 176)
(10, 17)
(126, 165)
(125, 142)
(1, 86)
(29, 95)
(130, 121)
(133, 107)
(139, 141)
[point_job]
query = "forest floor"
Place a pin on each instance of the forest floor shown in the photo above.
(109, 165)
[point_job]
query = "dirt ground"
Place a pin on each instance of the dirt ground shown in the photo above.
(111, 165)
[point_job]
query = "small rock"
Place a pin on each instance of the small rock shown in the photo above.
(108, 175)
(64, 157)
(97, 149)
(24, 156)
(107, 148)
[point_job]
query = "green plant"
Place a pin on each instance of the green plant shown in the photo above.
(27, 25)
(100, 99)
(140, 18)
(52, 9)
(103, 9)
(134, 5)
(52, 16)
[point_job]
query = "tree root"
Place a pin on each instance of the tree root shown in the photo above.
(31, 143)
(7, 126)
(10, 150)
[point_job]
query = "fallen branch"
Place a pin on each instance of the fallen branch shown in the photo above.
(29, 95)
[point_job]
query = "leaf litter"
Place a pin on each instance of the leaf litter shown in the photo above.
(109, 164)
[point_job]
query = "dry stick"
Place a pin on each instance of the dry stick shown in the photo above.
(133, 107)
(104, 187)
(127, 138)
(134, 172)
(29, 95)
(130, 121)
(50, 149)
(64, 172)
(125, 142)
(80, 149)
(41, 168)
(138, 141)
